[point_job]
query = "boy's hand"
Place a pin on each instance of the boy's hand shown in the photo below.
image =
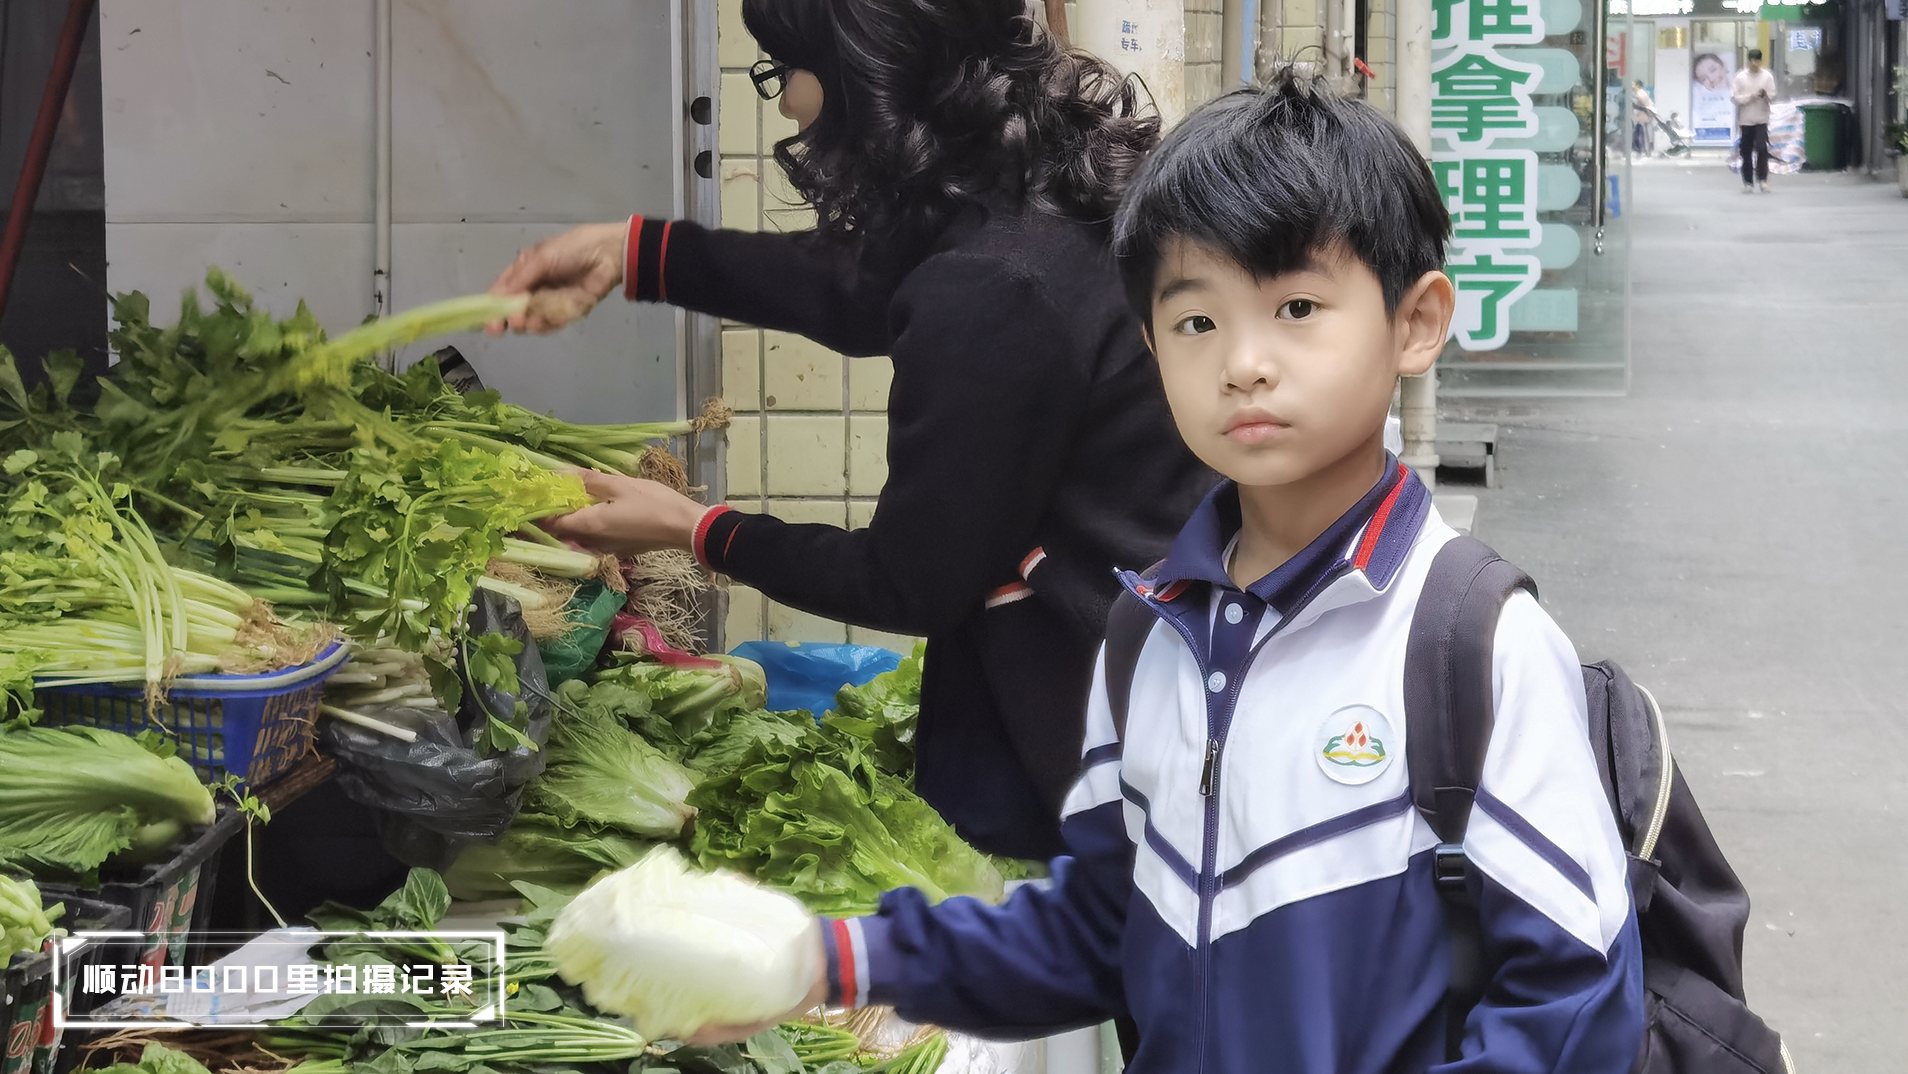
(709, 1036)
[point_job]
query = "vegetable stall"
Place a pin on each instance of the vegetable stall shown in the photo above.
(252, 556)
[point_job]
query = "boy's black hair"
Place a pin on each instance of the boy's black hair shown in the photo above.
(1755, 53)
(1271, 176)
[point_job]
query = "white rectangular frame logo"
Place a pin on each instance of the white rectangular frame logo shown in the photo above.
(489, 1012)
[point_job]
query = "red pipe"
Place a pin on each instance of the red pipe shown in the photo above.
(52, 103)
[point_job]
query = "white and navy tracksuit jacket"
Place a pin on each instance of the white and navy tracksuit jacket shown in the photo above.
(1249, 879)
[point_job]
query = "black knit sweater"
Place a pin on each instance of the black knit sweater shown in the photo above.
(1030, 452)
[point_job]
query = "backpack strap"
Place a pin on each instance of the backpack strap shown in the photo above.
(1128, 623)
(1449, 699)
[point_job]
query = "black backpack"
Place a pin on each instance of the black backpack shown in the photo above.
(1691, 908)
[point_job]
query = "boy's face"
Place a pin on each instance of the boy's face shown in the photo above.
(1272, 381)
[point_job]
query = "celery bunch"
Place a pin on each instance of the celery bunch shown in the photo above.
(317, 479)
(24, 923)
(87, 594)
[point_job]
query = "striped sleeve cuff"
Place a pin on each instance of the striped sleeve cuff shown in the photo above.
(630, 231)
(715, 537)
(846, 946)
(646, 260)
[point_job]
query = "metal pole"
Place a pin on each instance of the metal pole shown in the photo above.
(1599, 109)
(1239, 49)
(1874, 88)
(1336, 35)
(52, 102)
(381, 156)
(701, 334)
(1418, 396)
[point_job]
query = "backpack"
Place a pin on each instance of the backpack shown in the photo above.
(1691, 909)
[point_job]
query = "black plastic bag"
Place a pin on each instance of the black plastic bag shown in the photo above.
(441, 793)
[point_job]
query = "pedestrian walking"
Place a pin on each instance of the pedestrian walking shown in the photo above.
(1755, 88)
(1643, 118)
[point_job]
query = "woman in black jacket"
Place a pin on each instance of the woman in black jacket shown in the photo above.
(963, 167)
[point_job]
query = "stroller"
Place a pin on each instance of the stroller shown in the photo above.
(1681, 140)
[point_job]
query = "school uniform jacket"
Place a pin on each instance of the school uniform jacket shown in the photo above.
(1248, 877)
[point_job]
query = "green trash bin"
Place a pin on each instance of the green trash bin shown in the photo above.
(1820, 126)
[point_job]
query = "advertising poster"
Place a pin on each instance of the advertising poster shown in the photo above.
(1712, 112)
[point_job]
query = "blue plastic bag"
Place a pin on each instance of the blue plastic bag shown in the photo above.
(807, 676)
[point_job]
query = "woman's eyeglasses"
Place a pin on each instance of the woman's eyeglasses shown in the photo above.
(770, 78)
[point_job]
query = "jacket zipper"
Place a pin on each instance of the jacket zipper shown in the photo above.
(1209, 858)
(1209, 788)
(1208, 785)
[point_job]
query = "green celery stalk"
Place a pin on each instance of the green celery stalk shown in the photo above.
(560, 561)
(528, 600)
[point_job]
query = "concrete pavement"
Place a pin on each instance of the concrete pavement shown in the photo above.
(1729, 532)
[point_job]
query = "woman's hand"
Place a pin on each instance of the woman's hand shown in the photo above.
(565, 277)
(630, 516)
(710, 1036)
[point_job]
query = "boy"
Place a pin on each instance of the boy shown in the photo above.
(1249, 881)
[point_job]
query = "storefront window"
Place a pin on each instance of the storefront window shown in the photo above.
(1540, 250)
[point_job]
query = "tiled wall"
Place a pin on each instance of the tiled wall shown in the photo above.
(1381, 52)
(809, 438)
(1205, 38)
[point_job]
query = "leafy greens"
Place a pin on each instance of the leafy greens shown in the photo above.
(601, 773)
(538, 850)
(72, 797)
(24, 923)
(883, 713)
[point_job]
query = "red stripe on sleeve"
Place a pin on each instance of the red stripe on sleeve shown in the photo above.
(662, 264)
(631, 263)
(845, 963)
(699, 542)
(1031, 560)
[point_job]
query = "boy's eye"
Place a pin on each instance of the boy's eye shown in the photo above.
(1196, 325)
(1298, 309)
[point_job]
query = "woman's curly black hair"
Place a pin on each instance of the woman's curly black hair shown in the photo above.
(931, 105)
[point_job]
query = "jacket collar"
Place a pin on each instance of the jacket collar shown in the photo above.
(1369, 543)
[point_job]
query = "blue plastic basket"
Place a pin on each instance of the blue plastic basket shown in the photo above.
(257, 726)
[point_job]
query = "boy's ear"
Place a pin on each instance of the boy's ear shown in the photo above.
(1423, 322)
(1146, 333)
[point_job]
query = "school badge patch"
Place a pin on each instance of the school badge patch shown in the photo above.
(1355, 745)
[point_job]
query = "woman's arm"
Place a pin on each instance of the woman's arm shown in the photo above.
(981, 422)
(792, 282)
